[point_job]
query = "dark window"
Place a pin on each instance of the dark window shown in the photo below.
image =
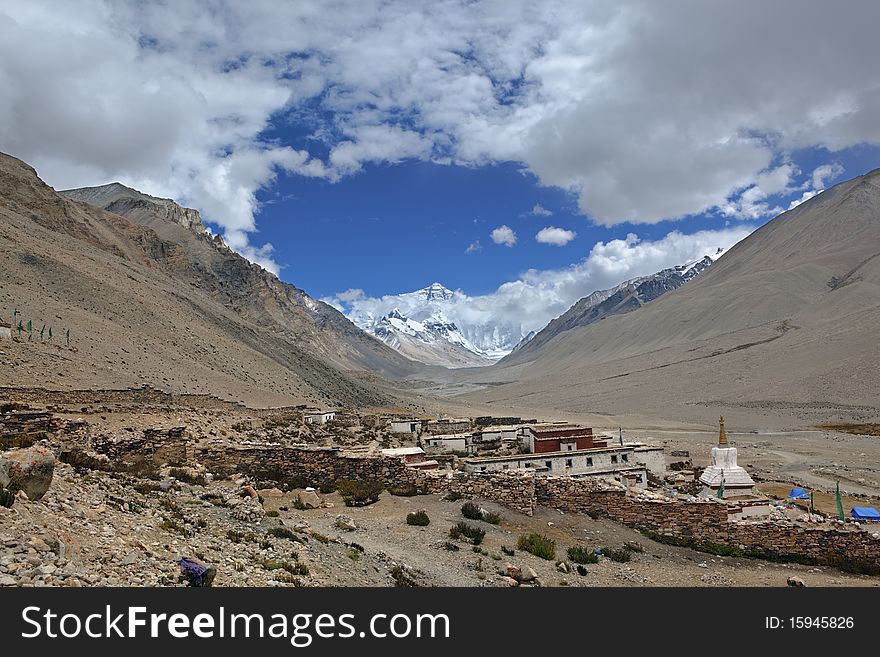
(549, 464)
(567, 463)
(625, 458)
(614, 458)
(589, 460)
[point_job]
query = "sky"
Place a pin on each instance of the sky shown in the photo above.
(526, 153)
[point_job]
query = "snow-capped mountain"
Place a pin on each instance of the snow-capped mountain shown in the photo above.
(429, 325)
(439, 326)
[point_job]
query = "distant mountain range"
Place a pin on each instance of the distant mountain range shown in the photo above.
(428, 326)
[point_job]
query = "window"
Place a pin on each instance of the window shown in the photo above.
(614, 458)
(549, 464)
(625, 458)
(567, 463)
(638, 479)
(589, 460)
(505, 466)
(482, 468)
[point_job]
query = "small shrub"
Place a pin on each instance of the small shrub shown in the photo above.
(474, 534)
(471, 511)
(453, 496)
(619, 556)
(320, 537)
(299, 505)
(282, 532)
(539, 545)
(580, 554)
(187, 477)
(359, 493)
(354, 555)
(272, 514)
(293, 569)
(418, 518)
(327, 487)
(402, 578)
(491, 518)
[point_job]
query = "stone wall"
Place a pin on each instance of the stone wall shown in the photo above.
(22, 427)
(319, 466)
(707, 522)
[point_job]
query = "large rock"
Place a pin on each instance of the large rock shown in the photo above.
(29, 470)
(309, 499)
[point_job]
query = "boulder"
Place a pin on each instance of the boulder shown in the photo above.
(794, 580)
(510, 581)
(344, 522)
(309, 499)
(29, 470)
(266, 493)
(529, 575)
(562, 567)
(513, 571)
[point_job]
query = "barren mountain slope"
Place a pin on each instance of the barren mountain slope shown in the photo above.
(203, 261)
(787, 322)
(145, 308)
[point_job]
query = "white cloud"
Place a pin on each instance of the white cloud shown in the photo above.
(351, 294)
(177, 98)
(555, 236)
(474, 247)
(806, 196)
(825, 173)
(504, 235)
(537, 296)
(540, 211)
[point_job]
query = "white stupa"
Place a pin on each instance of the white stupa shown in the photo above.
(724, 474)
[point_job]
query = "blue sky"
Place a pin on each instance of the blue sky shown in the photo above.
(357, 149)
(396, 228)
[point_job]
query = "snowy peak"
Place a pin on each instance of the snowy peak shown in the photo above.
(437, 292)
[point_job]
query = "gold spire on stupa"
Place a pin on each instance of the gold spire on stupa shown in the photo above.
(722, 436)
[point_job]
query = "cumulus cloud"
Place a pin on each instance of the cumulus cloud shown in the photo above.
(644, 111)
(503, 235)
(537, 296)
(555, 236)
(825, 173)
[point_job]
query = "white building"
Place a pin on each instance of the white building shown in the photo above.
(320, 418)
(448, 443)
(410, 426)
(5, 331)
(617, 462)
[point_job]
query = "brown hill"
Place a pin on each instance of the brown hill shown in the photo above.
(151, 298)
(785, 323)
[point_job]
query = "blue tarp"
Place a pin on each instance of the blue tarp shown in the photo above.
(865, 513)
(798, 494)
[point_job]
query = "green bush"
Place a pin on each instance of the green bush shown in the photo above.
(272, 514)
(453, 496)
(474, 534)
(282, 532)
(539, 545)
(471, 511)
(580, 554)
(418, 518)
(359, 493)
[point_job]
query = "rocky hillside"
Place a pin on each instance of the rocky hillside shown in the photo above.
(150, 298)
